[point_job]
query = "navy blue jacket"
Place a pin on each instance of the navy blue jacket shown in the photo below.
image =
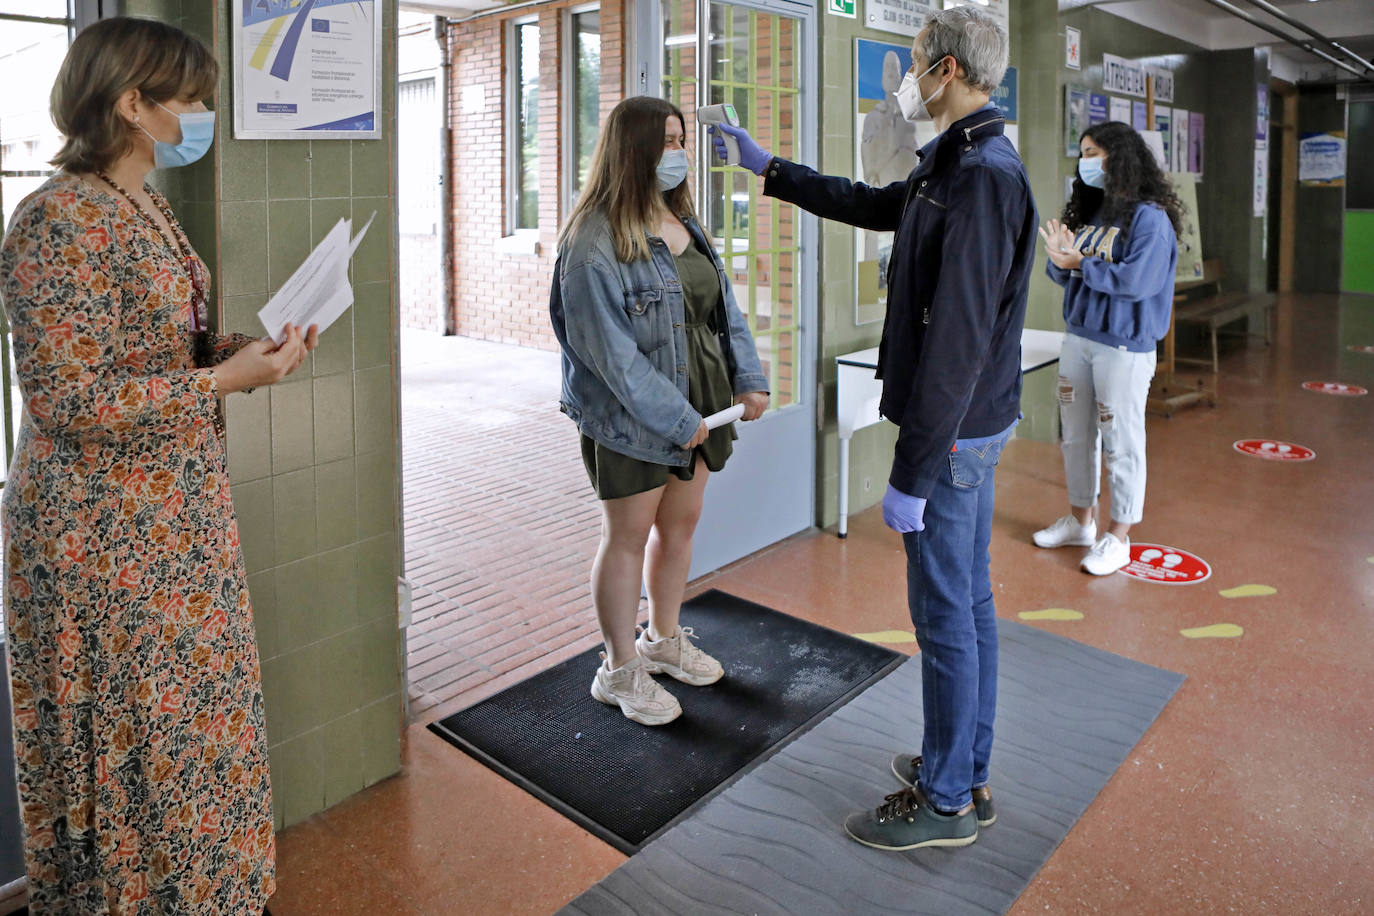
(950, 358)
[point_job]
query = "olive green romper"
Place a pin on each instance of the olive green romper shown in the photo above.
(709, 389)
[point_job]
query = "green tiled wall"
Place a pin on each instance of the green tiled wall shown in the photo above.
(313, 460)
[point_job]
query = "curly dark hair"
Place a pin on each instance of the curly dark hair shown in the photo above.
(1133, 177)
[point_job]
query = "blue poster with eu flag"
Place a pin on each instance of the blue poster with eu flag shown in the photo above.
(307, 68)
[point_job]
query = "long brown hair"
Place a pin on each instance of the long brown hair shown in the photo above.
(621, 181)
(1133, 177)
(107, 59)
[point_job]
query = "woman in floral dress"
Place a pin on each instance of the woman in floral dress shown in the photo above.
(140, 745)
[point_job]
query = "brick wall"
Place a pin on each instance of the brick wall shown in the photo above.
(421, 290)
(498, 296)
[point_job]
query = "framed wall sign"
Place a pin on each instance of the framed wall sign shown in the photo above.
(307, 69)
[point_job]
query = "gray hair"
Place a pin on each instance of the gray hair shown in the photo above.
(974, 38)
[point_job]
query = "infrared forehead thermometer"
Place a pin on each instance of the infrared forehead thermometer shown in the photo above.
(722, 114)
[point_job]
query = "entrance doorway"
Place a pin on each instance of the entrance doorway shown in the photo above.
(756, 56)
(500, 522)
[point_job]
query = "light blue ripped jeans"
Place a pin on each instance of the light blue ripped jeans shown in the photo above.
(1102, 392)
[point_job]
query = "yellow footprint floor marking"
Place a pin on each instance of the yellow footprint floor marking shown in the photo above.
(1215, 631)
(1052, 613)
(889, 636)
(1248, 591)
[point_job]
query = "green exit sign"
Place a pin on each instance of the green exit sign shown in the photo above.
(841, 8)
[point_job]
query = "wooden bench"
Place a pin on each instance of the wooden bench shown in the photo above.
(1220, 309)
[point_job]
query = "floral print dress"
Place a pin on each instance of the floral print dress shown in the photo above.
(138, 719)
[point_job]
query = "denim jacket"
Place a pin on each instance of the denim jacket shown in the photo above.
(620, 325)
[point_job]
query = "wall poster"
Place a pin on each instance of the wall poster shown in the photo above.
(887, 145)
(1190, 238)
(1321, 159)
(1119, 109)
(1075, 117)
(307, 69)
(1180, 141)
(1261, 177)
(1195, 130)
(1097, 108)
(1140, 116)
(1164, 125)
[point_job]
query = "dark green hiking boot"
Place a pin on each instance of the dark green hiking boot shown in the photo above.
(906, 820)
(907, 768)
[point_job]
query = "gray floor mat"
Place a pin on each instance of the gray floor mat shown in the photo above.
(1068, 715)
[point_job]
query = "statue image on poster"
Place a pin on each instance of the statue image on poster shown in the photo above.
(887, 145)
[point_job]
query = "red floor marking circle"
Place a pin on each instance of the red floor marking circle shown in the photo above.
(1357, 348)
(1273, 450)
(1340, 388)
(1165, 565)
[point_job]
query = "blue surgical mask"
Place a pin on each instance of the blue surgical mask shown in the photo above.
(1090, 170)
(197, 133)
(672, 169)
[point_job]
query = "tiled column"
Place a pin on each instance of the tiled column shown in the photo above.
(314, 460)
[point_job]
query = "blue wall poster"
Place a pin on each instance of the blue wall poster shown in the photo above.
(1097, 108)
(1005, 95)
(307, 68)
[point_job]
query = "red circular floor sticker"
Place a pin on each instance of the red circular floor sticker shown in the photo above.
(1358, 348)
(1274, 450)
(1350, 391)
(1166, 565)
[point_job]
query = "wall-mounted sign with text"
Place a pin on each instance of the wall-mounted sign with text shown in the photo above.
(902, 17)
(1321, 159)
(307, 69)
(1124, 76)
(1164, 83)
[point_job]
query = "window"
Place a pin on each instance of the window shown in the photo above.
(34, 35)
(523, 129)
(583, 108)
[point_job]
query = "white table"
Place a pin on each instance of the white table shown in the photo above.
(858, 394)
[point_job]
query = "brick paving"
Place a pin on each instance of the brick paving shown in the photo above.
(500, 522)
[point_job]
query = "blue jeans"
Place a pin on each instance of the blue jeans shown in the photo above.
(949, 592)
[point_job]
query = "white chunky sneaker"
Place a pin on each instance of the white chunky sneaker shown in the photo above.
(1107, 555)
(677, 657)
(1066, 532)
(637, 694)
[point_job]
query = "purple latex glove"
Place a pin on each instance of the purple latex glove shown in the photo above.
(903, 513)
(751, 156)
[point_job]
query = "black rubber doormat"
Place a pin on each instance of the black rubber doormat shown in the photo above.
(626, 782)
(773, 843)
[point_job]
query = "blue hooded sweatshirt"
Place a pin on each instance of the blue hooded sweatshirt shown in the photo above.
(1123, 293)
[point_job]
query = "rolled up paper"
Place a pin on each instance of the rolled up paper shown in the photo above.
(728, 415)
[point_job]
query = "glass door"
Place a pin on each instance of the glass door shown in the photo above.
(756, 57)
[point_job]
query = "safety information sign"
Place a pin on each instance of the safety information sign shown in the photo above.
(1165, 565)
(1273, 450)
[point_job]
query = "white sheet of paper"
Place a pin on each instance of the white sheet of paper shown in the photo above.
(318, 292)
(721, 417)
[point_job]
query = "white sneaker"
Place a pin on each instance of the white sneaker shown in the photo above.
(1066, 532)
(677, 657)
(637, 694)
(1107, 555)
